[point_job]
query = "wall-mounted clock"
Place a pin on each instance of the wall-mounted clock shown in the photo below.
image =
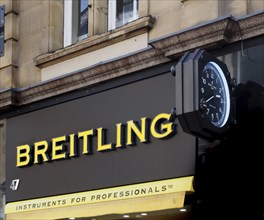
(203, 95)
(214, 95)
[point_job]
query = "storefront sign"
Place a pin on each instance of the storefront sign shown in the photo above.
(118, 133)
(183, 184)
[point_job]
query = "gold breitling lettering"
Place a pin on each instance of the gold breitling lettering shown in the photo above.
(58, 149)
(86, 136)
(133, 128)
(101, 134)
(67, 146)
(167, 127)
(41, 152)
(23, 155)
(73, 145)
(120, 142)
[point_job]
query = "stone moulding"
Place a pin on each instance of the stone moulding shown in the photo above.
(8, 99)
(214, 34)
(96, 42)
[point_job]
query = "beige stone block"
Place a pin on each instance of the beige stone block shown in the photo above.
(143, 8)
(198, 12)
(42, 26)
(255, 6)
(51, 26)
(30, 22)
(100, 13)
(29, 48)
(55, 39)
(55, 25)
(172, 16)
(25, 5)
(45, 18)
(51, 40)
(164, 11)
(44, 40)
(10, 54)
(11, 26)
(28, 75)
(10, 5)
(236, 8)
(56, 14)
(14, 53)
(8, 77)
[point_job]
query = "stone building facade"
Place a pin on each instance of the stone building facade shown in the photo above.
(40, 62)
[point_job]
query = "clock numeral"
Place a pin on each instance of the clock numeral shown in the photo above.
(207, 111)
(202, 90)
(220, 110)
(212, 76)
(220, 90)
(204, 81)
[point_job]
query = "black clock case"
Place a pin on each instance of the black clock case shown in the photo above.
(187, 73)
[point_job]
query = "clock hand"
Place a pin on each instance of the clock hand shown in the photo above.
(209, 98)
(212, 86)
(212, 106)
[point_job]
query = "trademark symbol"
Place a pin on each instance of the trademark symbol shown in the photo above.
(170, 186)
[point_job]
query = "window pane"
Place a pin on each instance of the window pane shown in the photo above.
(119, 13)
(246, 64)
(126, 11)
(251, 65)
(83, 18)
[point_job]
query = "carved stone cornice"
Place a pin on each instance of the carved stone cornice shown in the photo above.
(250, 26)
(211, 35)
(8, 99)
(91, 76)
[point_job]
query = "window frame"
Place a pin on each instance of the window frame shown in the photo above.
(112, 13)
(72, 15)
(83, 36)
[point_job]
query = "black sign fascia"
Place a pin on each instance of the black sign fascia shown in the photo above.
(2, 28)
(132, 100)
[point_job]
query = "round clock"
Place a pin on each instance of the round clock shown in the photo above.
(214, 97)
(204, 99)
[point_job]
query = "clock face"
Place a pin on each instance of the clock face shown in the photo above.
(214, 98)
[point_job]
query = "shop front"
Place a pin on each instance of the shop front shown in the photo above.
(111, 151)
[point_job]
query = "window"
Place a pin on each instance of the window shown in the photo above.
(83, 19)
(246, 62)
(75, 20)
(122, 12)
